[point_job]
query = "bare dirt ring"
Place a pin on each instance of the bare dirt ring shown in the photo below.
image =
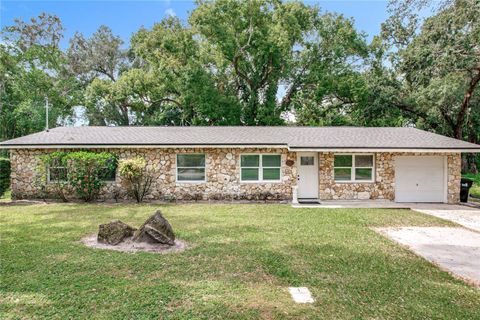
(132, 247)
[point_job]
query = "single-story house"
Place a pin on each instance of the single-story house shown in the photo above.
(257, 163)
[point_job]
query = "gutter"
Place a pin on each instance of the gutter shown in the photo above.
(138, 146)
(391, 149)
(243, 145)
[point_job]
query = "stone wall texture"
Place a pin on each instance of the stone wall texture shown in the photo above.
(223, 176)
(384, 185)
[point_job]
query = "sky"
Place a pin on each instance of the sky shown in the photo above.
(126, 17)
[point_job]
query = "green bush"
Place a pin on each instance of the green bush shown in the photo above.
(4, 175)
(58, 185)
(84, 172)
(137, 178)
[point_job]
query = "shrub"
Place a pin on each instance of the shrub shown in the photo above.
(86, 172)
(82, 171)
(60, 185)
(4, 175)
(137, 178)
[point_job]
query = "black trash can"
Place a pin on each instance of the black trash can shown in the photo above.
(465, 185)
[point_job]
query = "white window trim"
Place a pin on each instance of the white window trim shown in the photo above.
(260, 168)
(190, 181)
(353, 167)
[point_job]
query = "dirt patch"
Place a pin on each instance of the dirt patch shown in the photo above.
(129, 246)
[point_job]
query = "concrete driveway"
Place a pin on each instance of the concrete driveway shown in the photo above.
(456, 250)
(463, 215)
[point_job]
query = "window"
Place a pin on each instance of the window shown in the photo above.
(351, 167)
(57, 172)
(260, 167)
(191, 167)
(108, 174)
(307, 161)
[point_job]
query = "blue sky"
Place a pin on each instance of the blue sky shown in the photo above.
(126, 17)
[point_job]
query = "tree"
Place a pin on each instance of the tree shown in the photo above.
(436, 65)
(245, 62)
(327, 82)
(32, 69)
(178, 87)
(99, 62)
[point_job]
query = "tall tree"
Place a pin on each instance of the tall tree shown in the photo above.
(32, 69)
(179, 87)
(436, 64)
(99, 62)
(253, 46)
(433, 69)
(246, 62)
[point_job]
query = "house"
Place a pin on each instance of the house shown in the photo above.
(256, 163)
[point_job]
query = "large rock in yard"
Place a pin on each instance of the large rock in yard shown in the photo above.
(114, 232)
(155, 230)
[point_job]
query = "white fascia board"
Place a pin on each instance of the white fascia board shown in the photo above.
(370, 150)
(115, 146)
(295, 149)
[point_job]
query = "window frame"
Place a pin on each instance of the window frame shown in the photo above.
(49, 179)
(261, 167)
(178, 167)
(353, 168)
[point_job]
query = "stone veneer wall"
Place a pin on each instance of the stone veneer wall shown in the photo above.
(384, 185)
(222, 175)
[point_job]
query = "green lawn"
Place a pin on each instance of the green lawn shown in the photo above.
(6, 197)
(475, 190)
(243, 259)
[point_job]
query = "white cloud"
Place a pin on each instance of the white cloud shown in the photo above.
(170, 12)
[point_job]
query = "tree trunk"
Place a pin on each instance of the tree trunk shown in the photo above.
(458, 130)
(472, 157)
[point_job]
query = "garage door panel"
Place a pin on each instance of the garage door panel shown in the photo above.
(419, 179)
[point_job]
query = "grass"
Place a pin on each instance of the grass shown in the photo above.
(475, 189)
(243, 259)
(7, 196)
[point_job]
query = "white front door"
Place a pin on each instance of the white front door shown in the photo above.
(420, 179)
(307, 175)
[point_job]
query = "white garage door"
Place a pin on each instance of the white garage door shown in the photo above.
(419, 179)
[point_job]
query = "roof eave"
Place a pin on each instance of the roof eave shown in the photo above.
(281, 146)
(383, 149)
(137, 146)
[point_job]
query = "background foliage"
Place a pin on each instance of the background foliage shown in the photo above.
(4, 175)
(259, 62)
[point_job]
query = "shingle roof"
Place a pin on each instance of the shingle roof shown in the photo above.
(292, 137)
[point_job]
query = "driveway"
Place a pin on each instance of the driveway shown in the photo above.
(456, 250)
(463, 215)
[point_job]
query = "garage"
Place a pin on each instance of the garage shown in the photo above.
(420, 179)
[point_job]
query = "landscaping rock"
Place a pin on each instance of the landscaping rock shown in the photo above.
(155, 230)
(114, 232)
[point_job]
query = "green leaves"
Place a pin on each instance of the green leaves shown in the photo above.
(32, 68)
(137, 178)
(85, 171)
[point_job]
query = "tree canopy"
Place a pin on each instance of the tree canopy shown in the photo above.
(258, 62)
